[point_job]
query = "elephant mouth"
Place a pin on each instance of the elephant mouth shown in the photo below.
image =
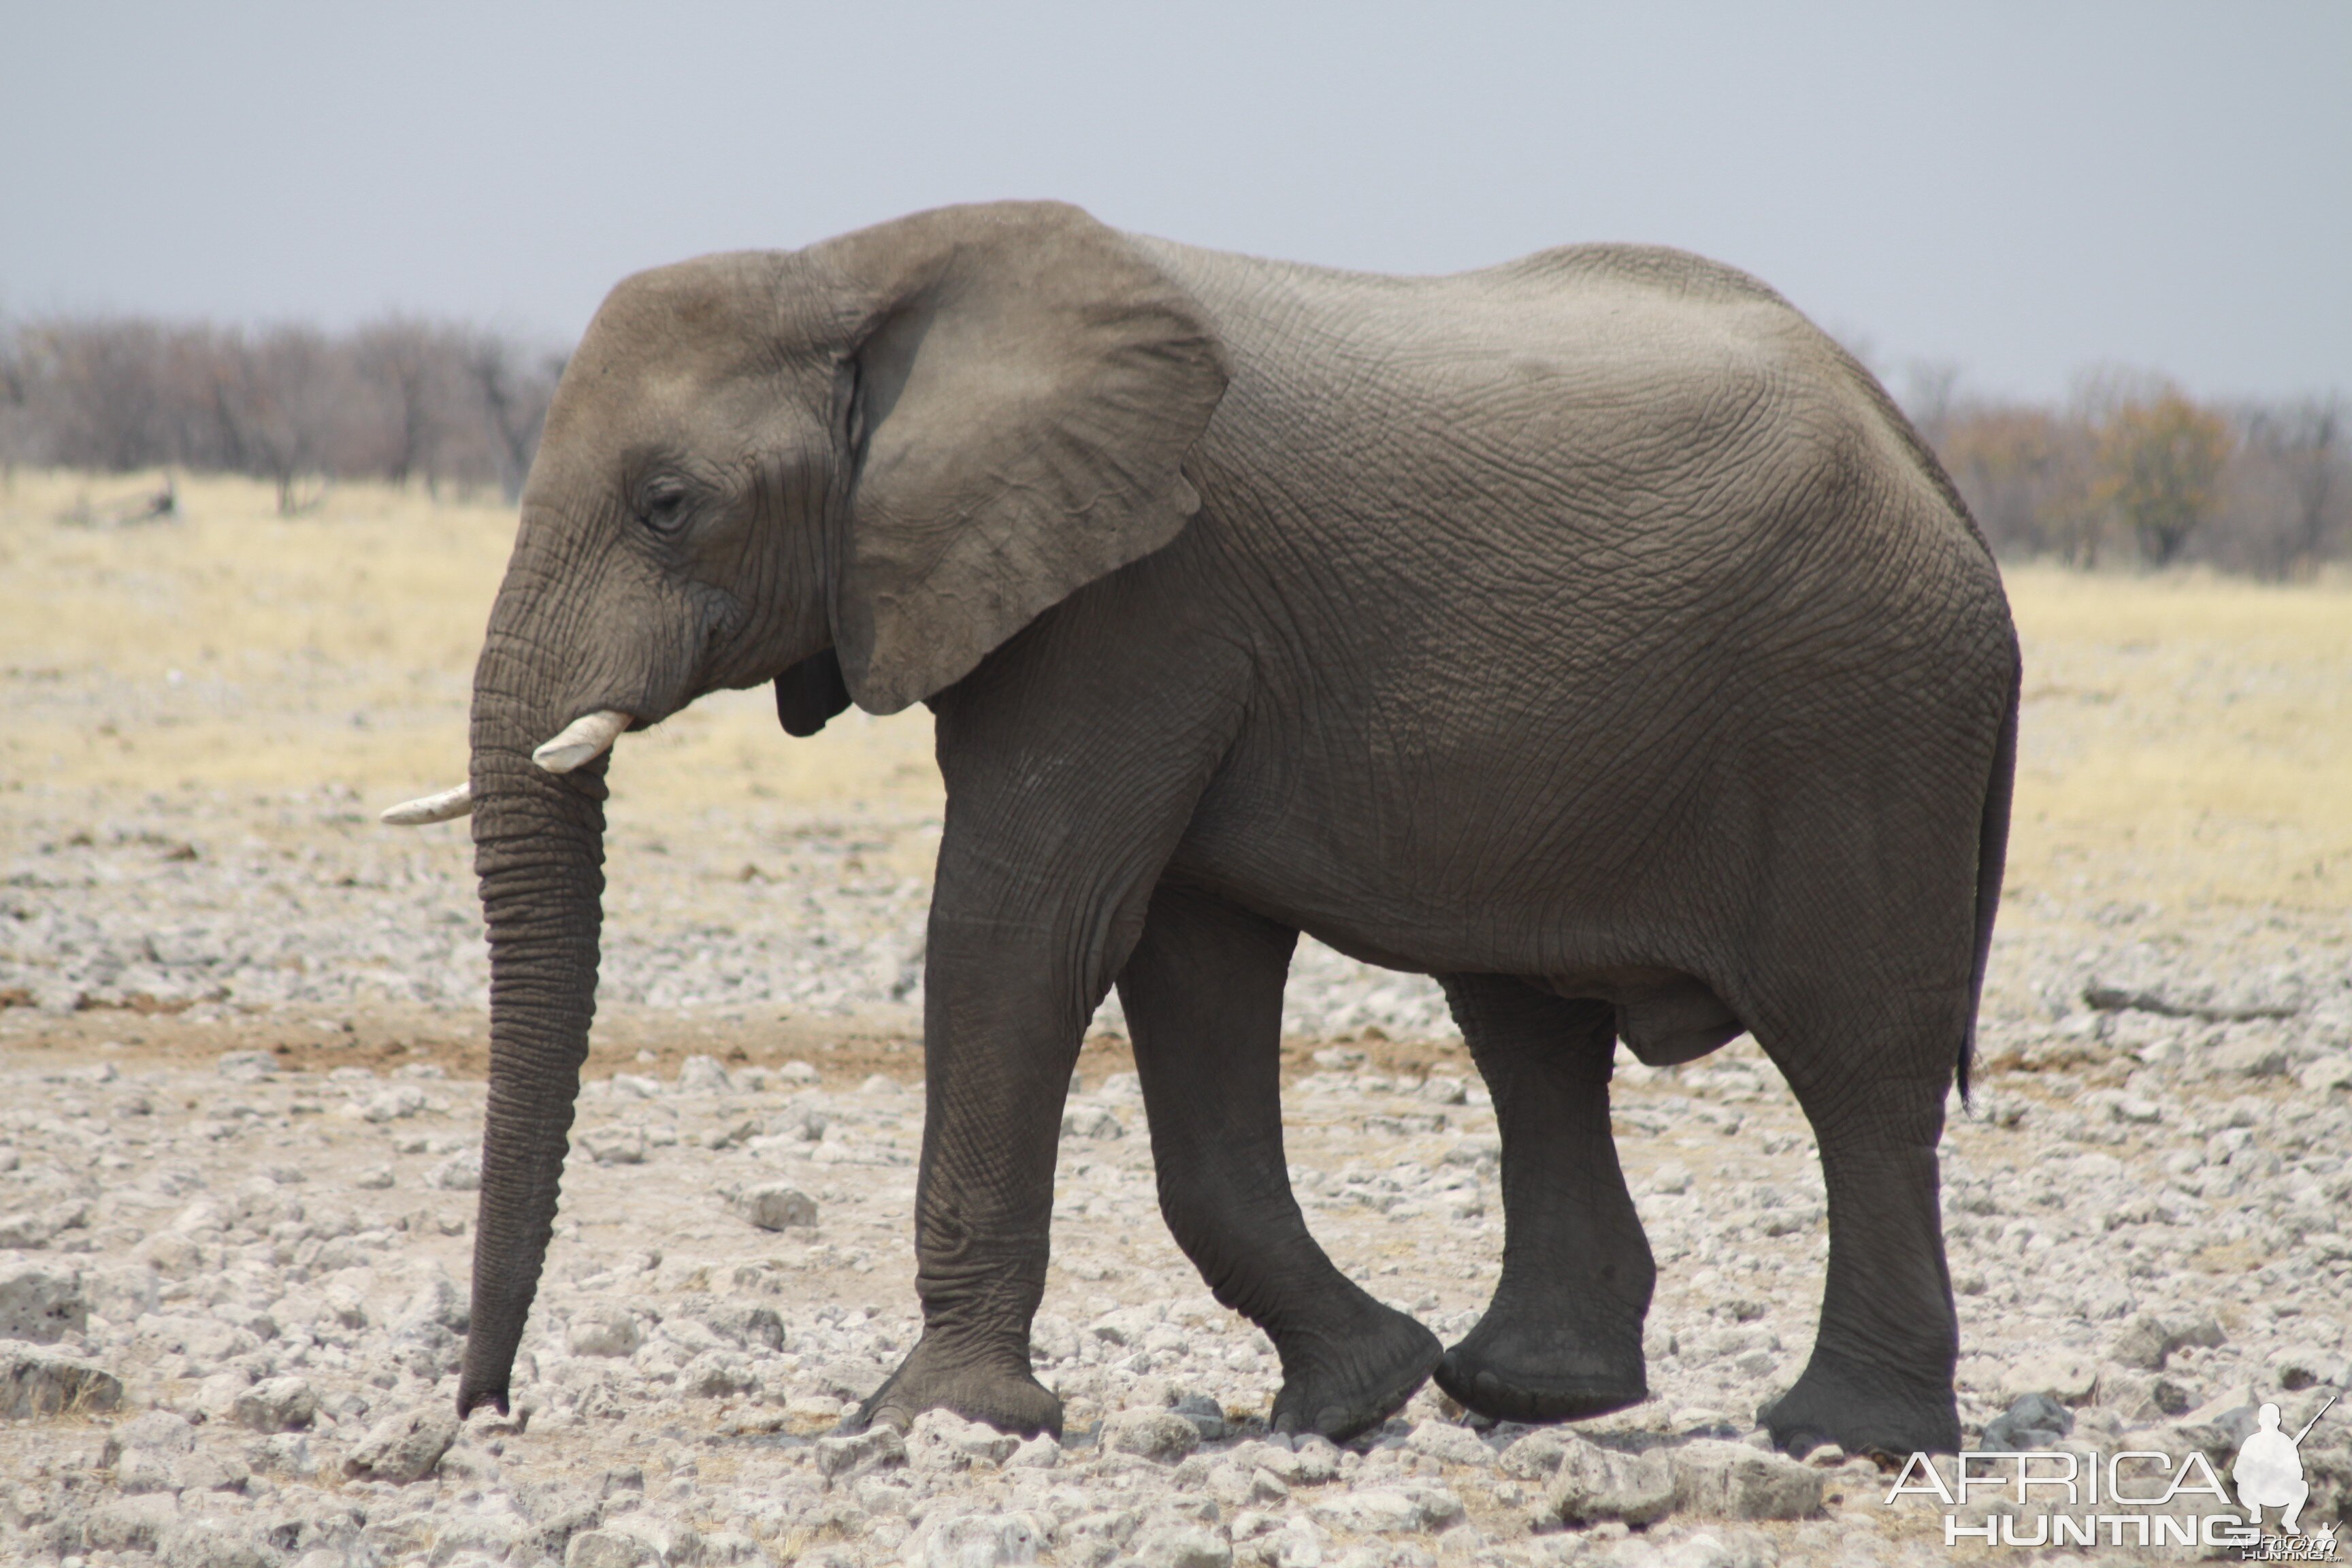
(576, 745)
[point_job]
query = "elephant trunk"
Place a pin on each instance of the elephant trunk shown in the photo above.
(539, 851)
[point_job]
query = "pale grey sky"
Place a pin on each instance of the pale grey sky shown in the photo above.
(2021, 190)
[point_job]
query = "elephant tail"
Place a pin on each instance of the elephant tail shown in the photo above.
(1992, 854)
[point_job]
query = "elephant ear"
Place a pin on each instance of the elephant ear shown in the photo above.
(1026, 387)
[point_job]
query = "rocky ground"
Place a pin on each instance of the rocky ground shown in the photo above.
(241, 1044)
(239, 1236)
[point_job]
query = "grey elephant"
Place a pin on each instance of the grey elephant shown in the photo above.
(1589, 632)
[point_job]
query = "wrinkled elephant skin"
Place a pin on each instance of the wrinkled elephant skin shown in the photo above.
(1589, 632)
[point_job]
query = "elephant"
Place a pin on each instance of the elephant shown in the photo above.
(1589, 632)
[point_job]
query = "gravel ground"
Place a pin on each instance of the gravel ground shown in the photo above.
(242, 1035)
(242, 1270)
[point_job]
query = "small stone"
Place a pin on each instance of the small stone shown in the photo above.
(276, 1405)
(983, 1540)
(1593, 1484)
(2033, 1421)
(942, 1440)
(1183, 1546)
(35, 1382)
(460, 1172)
(206, 1541)
(1315, 1459)
(614, 1145)
(1151, 1434)
(245, 1066)
(1091, 1121)
(2066, 1376)
(603, 1330)
(1039, 1453)
(2328, 1072)
(799, 1072)
(132, 1523)
(608, 1549)
(2297, 1367)
(1449, 1444)
(404, 1448)
(876, 1448)
(40, 1302)
(773, 1206)
(1732, 1480)
(1372, 1510)
(1673, 1177)
(1204, 1412)
(373, 1178)
(703, 1074)
(2145, 1343)
(1535, 1457)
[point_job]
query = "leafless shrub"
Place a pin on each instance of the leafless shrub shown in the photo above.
(2132, 469)
(402, 399)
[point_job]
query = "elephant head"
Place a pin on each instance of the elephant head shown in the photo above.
(854, 469)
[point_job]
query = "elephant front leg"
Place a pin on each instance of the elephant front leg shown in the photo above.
(1204, 998)
(1004, 1012)
(1562, 1338)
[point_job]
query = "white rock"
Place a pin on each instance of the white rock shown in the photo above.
(276, 1405)
(775, 1205)
(942, 1440)
(1039, 1453)
(1449, 1444)
(1150, 1434)
(610, 1145)
(39, 1381)
(2328, 1072)
(876, 1448)
(1183, 1546)
(983, 1540)
(404, 1448)
(603, 1330)
(1595, 1485)
(1091, 1121)
(460, 1172)
(1732, 1480)
(40, 1302)
(703, 1074)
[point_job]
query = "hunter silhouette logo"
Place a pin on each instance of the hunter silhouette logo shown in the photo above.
(2135, 1496)
(2269, 1469)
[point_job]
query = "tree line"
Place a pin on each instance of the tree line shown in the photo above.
(2129, 470)
(402, 399)
(2132, 470)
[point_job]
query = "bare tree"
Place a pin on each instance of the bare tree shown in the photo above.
(2305, 445)
(514, 400)
(406, 362)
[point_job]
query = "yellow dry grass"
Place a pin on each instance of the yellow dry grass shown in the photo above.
(2187, 739)
(234, 648)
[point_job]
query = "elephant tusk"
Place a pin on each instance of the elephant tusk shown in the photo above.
(449, 803)
(582, 740)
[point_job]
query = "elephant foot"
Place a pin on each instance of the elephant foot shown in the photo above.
(1350, 1383)
(1528, 1367)
(977, 1388)
(1865, 1410)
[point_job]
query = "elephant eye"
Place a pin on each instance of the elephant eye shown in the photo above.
(663, 506)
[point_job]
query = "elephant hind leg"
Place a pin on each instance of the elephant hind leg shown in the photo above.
(1873, 1081)
(1562, 1338)
(1203, 997)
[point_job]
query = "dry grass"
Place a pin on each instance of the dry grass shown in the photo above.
(236, 648)
(2187, 739)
